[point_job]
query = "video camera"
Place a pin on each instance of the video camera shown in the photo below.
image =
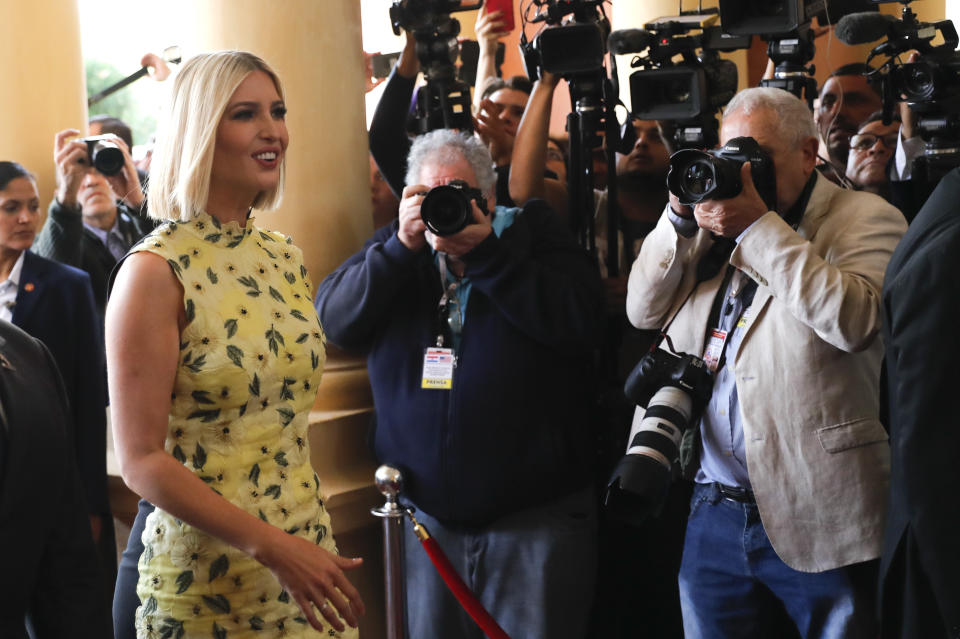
(576, 50)
(444, 103)
(689, 91)
(930, 86)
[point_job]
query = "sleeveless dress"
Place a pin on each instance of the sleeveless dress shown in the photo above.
(250, 359)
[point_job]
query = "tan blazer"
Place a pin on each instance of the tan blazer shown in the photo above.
(808, 368)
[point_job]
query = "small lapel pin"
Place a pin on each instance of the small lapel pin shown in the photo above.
(28, 287)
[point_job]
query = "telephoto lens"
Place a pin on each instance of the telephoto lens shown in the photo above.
(104, 154)
(674, 388)
(640, 482)
(446, 209)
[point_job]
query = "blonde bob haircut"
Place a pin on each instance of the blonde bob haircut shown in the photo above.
(183, 154)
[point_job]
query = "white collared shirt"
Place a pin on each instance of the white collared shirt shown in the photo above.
(8, 290)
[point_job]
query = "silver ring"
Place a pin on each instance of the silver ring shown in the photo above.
(326, 604)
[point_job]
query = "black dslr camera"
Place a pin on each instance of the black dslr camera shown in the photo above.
(446, 209)
(674, 389)
(104, 154)
(715, 175)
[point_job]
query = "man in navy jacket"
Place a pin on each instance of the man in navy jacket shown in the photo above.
(495, 452)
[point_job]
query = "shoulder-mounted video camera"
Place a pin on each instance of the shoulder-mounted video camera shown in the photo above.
(930, 85)
(688, 90)
(445, 101)
(569, 49)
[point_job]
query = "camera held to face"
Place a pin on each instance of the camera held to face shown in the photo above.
(674, 389)
(695, 175)
(103, 154)
(446, 209)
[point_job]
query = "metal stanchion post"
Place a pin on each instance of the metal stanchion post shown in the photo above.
(389, 482)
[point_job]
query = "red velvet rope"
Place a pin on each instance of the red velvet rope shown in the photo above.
(460, 590)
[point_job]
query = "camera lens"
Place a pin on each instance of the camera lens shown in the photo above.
(445, 210)
(699, 179)
(106, 157)
(918, 81)
(677, 91)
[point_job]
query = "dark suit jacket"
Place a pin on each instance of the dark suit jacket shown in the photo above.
(64, 239)
(921, 312)
(51, 576)
(55, 305)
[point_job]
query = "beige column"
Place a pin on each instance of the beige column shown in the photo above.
(42, 81)
(315, 47)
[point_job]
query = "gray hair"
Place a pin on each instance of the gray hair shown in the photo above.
(794, 118)
(446, 146)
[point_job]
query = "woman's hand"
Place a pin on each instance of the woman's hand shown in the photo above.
(313, 577)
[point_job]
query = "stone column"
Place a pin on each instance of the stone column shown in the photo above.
(315, 47)
(43, 84)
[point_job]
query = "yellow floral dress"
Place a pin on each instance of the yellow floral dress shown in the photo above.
(250, 360)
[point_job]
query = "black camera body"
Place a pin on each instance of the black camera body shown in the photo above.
(661, 368)
(419, 15)
(103, 154)
(567, 50)
(770, 19)
(674, 388)
(696, 175)
(446, 209)
(571, 50)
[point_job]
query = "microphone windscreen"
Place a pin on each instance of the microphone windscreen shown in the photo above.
(860, 28)
(629, 41)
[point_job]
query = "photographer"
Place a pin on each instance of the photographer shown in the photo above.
(94, 218)
(790, 459)
(496, 452)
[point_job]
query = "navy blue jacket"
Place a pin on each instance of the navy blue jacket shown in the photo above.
(55, 304)
(517, 428)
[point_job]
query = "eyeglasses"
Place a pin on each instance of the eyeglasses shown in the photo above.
(865, 141)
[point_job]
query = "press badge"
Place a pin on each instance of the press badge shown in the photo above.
(438, 368)
(714, 350)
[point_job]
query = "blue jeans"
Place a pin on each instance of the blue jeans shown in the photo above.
(534, 571)
(729, 571)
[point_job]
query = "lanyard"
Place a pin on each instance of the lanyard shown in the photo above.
(449, 309)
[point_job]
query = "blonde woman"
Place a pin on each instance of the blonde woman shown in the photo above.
(214, 354)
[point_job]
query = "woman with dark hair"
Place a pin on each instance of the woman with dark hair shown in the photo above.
(54, 303)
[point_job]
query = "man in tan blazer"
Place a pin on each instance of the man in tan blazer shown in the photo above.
(791, 462)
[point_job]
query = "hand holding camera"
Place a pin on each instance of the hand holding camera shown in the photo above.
(452, 217)
(730, 188)
(730, 217)
(106, 154)
(410, 231)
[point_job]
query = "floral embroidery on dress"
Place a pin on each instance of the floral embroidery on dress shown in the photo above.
(250, 359)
